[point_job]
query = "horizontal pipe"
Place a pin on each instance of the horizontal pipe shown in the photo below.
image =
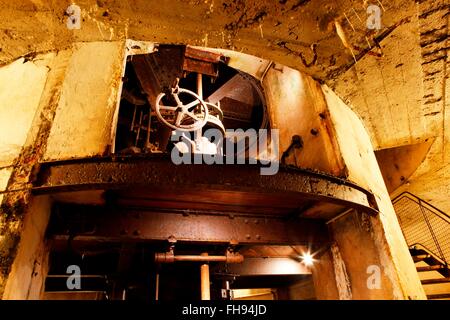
(169, 257)
(72, 275)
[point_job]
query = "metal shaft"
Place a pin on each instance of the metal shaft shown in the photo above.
(169, 257)
(204, 279)
(200, 85)
(157, 286)
(198, 133)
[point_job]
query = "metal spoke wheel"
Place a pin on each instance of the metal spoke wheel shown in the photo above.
(190, 116)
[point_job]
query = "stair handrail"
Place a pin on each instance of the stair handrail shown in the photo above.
(420, 201)
(436, 211)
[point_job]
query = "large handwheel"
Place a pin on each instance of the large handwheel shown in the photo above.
(191, 116)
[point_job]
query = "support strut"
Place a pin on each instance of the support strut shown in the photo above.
(169, 257)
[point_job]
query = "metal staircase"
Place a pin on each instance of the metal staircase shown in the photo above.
(427, 233)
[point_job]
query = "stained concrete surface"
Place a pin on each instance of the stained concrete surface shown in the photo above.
(401, 95)
(398, 84)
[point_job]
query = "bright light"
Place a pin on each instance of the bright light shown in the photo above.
(307, 259)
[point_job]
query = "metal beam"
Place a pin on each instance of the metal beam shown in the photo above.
(204, 55)
(238, 88)
(267, 267)
(170, 257)
(100, 223)
(159, 173)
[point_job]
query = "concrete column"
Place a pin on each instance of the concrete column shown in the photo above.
(336, 142)
(371, 247)
(22, 219)
(324, 278)
(47, 112)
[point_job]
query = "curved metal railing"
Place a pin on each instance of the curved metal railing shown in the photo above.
(423, 224)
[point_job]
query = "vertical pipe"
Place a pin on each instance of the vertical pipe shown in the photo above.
(198, 133)
(204, 280)
(157, 286)
(147, 144)
(227, 290)
(134, 118)
(199, 85)
(139, 129)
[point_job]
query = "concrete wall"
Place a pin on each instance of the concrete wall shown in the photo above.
(324, 277)
(5, 173)
(297, 107)
(82, 125)
(403, 95)
(27, 276)
(76, 107)
(21, 86)
(302, 290)
(382, 230)
(55, 106)
(358, 251)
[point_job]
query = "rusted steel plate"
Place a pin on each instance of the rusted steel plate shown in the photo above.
(160, 173)
(203, 55)
(199, 66)
(201, 61)
(103, 224)
(158, 71)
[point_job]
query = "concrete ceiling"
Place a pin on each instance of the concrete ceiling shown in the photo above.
(395, 79)
(403, 96)
(285, 31)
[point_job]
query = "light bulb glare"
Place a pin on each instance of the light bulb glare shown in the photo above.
(307, 259)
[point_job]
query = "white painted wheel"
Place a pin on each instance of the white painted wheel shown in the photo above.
(191, 116)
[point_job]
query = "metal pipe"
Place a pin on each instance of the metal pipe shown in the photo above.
(134, 118)
(169, 257)
(226, 293)
(149, 125)
(204, 279)
(200, 85)
(139, 128)
(198, 133)
(157, 287)
(78, 276)
(265, 71)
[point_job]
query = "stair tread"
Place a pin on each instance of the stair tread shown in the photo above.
(422, 257)
(419, 255)
(415, 252)
(437, 280)
(438, 296)
(431, 268)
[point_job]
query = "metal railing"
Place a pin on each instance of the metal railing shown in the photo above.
(424, 225)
